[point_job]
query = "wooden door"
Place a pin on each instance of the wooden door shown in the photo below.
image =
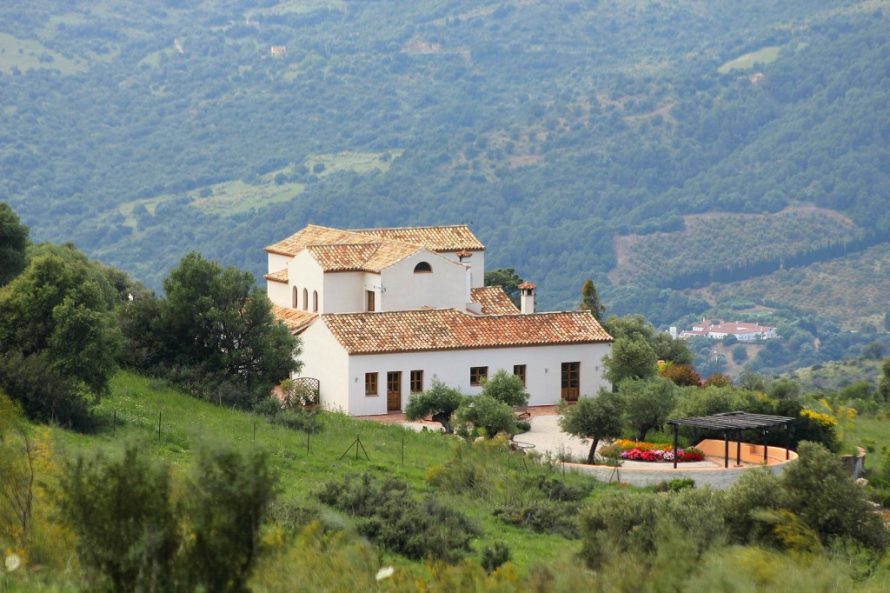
(394, 391)
(571, 381)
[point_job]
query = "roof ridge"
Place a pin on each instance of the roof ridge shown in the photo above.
(396, 228)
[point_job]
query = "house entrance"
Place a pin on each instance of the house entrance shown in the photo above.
(571, 381)
(394, 391)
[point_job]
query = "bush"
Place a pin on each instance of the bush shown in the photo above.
(391, 517)
(822, 493)
(488, 414)
(121, 512)
(439, 401)
(634, 523)
(298, 419)
(494, 556)
(418, 530)
(755, 490)
(681, 374)
(229, 495)
(507, 388)
(542, 516)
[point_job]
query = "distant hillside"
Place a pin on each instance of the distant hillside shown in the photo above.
(833, 376)
(710, 245)
(852, 290)
(146, 130)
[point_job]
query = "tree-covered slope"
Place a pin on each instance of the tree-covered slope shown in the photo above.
(145, 130)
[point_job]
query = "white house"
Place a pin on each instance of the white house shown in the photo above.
(383, 312)
(744, 332)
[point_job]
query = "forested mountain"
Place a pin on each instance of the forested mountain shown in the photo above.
(559, 130)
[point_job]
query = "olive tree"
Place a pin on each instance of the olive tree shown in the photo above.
(594, 418)
(439, 401)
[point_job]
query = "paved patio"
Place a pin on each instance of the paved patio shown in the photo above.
(547, 437)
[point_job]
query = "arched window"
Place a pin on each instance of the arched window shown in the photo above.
(423, 268)
(296, 297)
(305, 299)
(315, 301)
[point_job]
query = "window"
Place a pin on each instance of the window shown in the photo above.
(296, 304)
(423, 268)
(305, 299)
(519, 371)
(416, 381)
(369, 295)
(478, 375)
(370, 383)
(570, 380)
(315, 301)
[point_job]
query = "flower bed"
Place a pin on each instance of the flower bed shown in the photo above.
(652, 452)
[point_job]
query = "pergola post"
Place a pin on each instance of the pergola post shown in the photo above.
(725, 449)
(765, 449)
(787, 443)
(738, 448)
(676, 442)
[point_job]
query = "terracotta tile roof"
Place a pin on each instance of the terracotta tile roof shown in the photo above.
(295, 320)
(449, 329)
(318, 235)
(367, 257)
(457, 237)
(494, 300)
(279, 276)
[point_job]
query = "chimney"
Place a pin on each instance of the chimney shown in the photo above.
(527, 298)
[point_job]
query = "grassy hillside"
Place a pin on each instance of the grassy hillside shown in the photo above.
(186, 423)
(552, 128)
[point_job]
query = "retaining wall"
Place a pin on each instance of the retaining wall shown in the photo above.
(718, 478)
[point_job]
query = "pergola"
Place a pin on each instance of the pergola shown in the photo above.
(732, 422)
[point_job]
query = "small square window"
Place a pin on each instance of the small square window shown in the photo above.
(478, 375)
(416, 381)
(371, 384)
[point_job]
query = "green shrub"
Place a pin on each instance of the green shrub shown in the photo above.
(506, 388)
(120, 510)
(558, 490)
(543, 516)
(390, 516)
(494, 556)
(298, 419)
(228, 497)
(488, 414)
(439, 401)
(418, 530)
(824, 495)
(674, 485)
(636, 522)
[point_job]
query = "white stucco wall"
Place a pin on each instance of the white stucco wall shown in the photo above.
(304, 272)
(543, 368)
(277, 262)
(278, 293)
(343, 292)
(443, 288)
(476, 263)
(324, 359)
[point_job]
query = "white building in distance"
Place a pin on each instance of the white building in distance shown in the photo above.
(744, 332)
(383, 312)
